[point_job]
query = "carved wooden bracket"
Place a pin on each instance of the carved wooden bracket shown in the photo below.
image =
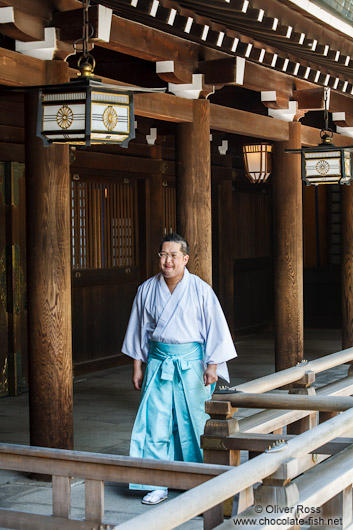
(16, 24)
(173, 72)
(46, 50)
(223, 71)
(274, 100)
(193, 90)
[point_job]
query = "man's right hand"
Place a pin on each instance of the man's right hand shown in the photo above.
(137, 377)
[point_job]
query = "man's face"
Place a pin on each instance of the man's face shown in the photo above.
(173, 261)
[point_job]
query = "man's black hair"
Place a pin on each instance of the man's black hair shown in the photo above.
(176, 238)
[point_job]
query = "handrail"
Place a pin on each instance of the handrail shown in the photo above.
(79, 464)
(257, 422)
(314, 488)
(287, 401)
(217, 490)
(290, 375)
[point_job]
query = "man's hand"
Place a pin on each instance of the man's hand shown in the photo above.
(210, 376)
(137, 376)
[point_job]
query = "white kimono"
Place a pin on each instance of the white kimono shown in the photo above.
(176, 335)
(191, 314)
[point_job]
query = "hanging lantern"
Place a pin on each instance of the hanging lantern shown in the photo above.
(85, 111)
(325, 163)
(258, 162)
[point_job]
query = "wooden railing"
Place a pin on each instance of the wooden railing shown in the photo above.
(308, 466)
(94, 469)
(281, 469)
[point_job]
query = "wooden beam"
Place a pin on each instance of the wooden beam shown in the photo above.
(28, 521)
(109, 162)
(258, 442)
(311, 136)
(286, 401)
(163, 107)
(37, 8)
(313, 99)
(70, 23)
(342, 119)
(222, 71)
(272, 99)
(248, 124)
(173, 72)
(149, 43)
(179, 475)
(20, 70)
(19, 25)
(255, 78)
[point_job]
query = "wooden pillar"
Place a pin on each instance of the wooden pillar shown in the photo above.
(15, 270)
(156, 216)
(288, 251)
(347, 266)
(49, 281)
(194, 189)
(226, 228)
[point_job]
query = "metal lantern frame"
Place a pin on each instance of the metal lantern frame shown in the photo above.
(85, 112)
(325, 163)
(263, 168)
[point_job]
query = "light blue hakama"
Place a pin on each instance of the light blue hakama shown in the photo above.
(171, 416)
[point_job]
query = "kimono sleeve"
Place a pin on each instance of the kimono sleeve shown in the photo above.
(135, 342)
(219, 345)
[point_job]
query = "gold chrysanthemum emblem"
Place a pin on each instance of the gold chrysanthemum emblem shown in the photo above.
(110, 118)
(64, 117)
(322, 167)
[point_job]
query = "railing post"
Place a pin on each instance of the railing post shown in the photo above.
(61, 491)
(94, 500)
(303, 387)
(221, 424)
(277, 490)
(339, 509)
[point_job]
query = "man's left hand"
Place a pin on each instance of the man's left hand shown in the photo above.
(210, 376)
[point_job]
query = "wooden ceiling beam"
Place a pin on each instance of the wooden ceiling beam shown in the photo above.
(37, 8)
(313, 99)
(70, 23)
(245, 123)
(164, 107)
(342, 119)
(229, 70)
(311, 137)
(172, 72)
(20, 25)
(150, 44)
(20, 70)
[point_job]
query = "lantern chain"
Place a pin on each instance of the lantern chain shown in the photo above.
(86, 62)
(326, 103)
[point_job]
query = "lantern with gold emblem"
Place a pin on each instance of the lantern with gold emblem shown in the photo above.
(85, 112)
(325, 163)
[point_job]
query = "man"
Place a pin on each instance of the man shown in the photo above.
(176, 327)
